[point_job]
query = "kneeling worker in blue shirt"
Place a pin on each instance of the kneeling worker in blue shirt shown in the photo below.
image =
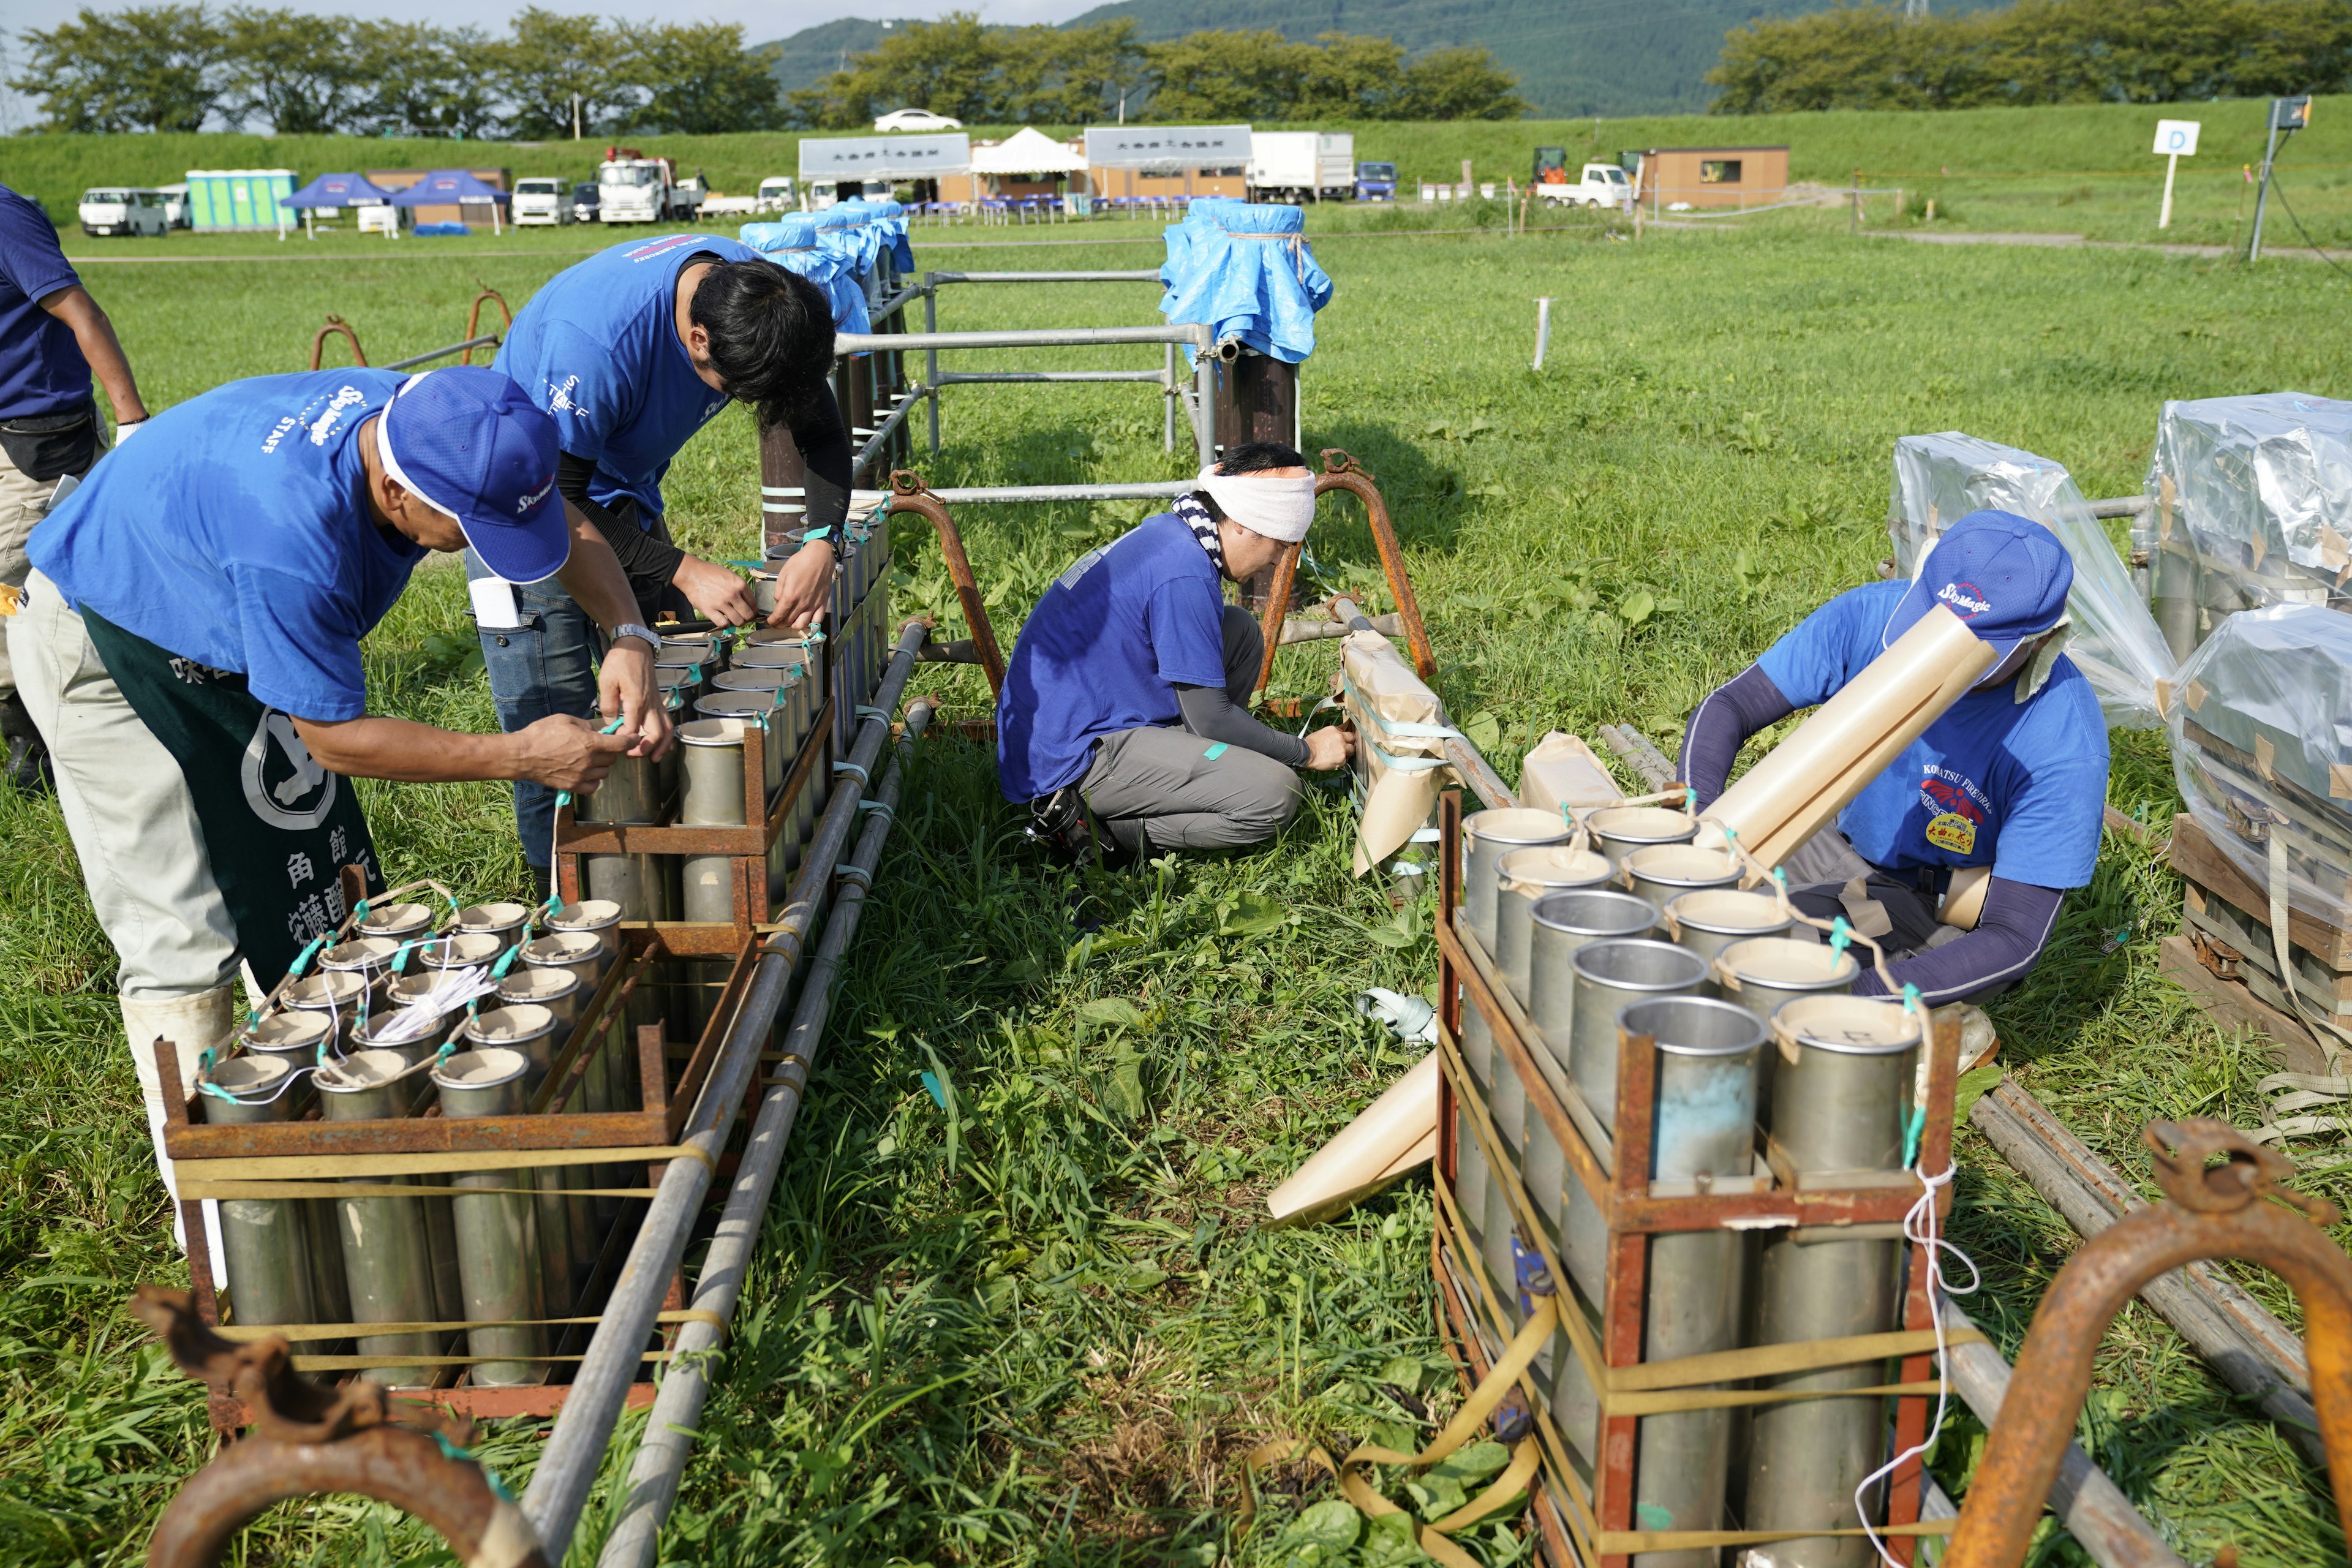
(189, 643)
(2007, 789)
(1124, 725)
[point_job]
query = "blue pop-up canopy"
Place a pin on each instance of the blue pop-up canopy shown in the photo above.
(797, 242)
(448, 185)
(1245, 272)
(336, 190)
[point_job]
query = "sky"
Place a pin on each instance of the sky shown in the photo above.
(763, 23)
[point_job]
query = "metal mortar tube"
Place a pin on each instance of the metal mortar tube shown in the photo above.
(631, 793)
(1663, 872)
(369, 957)
(1560, 924)
(387, 1251)
(1842, 1086)
(535, 1032)
(639, 884)
(753, 706)
(267, 1240)
(1523, 877)
(1486, 837)
(294, 1038)
(558, 992)
(1703, 1130)
(400, 922)
(1763, 973)
(334, 996)
(497, 1231)
(711, 792)
(1619, 830)
(458, 950)
(690, 676)
(525, 1028)
(1708, 921)
(704, 648)
(584, 952)
(502, 919)
(1609, 974)
(595, 917)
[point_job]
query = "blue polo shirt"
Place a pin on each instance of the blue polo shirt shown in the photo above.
(1104, 651)
(234, 530)
(597, 347)
(42, 370)
(2018, 787)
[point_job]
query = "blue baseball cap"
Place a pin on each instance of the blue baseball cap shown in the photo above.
(473, 446)
(2004, 575)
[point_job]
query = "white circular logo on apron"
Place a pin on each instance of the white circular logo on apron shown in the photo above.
(283, 783)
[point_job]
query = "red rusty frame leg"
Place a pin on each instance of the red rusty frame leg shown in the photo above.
(908, 494)
(337, 324)
(474, 319)
(1342, 472)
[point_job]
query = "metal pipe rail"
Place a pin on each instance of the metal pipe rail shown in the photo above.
(1146, 275)
(846, 343)
(880, 438)
(487, 340)
(575, 1448)
(951, 377)
(660, 1461)
(1153, 489)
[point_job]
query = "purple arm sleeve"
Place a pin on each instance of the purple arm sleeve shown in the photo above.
(2017, 921)
(1721, 725)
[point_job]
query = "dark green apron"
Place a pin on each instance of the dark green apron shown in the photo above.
(277, 826)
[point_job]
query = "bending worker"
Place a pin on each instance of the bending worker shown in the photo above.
(53, 337)
(632, 352)
(189, 643)
(2000, 799)
(1124, 724)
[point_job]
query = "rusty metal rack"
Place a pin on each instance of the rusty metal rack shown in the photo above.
(1586, 1514)
(641, 997)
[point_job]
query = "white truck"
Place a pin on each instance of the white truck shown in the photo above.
(776, 194)
(542, 199)
(633, 188)
(1301, 166)
(1599, 186)
(117, 209)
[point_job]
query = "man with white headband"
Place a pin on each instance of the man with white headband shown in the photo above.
(189, 642)
(1124, 724)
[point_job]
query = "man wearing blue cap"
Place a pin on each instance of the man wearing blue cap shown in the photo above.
(1958, 857)
(631, 351)
(189, 643)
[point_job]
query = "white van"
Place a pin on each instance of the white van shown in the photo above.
(776, 194)
(119, 209)
(821, 195)
(541, 199)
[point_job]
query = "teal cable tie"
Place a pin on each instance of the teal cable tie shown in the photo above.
(303, 959)
(1912, 1133)
(358, 912)
(1841, 937)
(1690, 801)
(506, 961)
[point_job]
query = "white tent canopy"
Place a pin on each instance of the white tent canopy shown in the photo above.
(1026, 151)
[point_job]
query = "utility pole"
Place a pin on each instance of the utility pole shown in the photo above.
(575, 117)
(2288, 115)
(1914, 10)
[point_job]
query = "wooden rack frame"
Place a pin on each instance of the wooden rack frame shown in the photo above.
(1633, 1214)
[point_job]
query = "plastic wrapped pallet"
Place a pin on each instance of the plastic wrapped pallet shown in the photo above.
(2262, 749)
(1941, 478)
(1401, 735)
(2250, 503)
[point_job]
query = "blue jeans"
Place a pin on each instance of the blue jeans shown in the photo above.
(544, 666)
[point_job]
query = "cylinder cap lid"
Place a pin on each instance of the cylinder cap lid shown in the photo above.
(361, 1069)
(523, 1021)
(257, 1076)
(485, 1068)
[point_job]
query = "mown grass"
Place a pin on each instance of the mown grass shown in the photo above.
(1032, 1319)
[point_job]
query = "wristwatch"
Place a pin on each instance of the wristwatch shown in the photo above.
(645, 634)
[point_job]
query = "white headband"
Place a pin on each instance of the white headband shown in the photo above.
(1278, 508)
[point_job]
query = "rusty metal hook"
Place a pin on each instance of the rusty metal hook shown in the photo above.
(474, 317)
(318, 344)
(309, 1441)
(908, 493)
(2209, 1212)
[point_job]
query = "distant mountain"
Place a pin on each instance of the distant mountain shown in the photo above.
(1571, 56)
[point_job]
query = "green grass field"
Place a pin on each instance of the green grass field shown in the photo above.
(1041, 1325)
(2070, 168)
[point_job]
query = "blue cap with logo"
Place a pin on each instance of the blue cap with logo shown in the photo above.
(2004, 575)
(470, 443)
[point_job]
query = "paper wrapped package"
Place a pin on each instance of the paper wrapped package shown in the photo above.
(1938, 479)
(1563, 772)
(1395, 1133)
(2262, 750)
(2250, 503)
(1400, 735)
(1800, 786)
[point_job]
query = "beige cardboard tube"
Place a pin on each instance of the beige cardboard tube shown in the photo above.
(1964, 897)
(1382, 1143)
(1807, 778)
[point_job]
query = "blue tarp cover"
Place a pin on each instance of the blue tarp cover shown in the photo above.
(1245, 272)
(447, 185)
(335, 191)
(796, 243)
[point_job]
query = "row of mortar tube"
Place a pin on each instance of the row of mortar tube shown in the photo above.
(1798, 789)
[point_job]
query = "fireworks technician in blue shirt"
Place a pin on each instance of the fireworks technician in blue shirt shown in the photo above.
(189, 643)
(2012, 778)
(632, 352)
(53, 339)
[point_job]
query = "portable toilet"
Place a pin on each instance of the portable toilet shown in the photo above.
(221, 200)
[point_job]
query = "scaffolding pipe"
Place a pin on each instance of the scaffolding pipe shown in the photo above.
(949, 378)
(575, 1448)
(1146, 276)
(487, 340)
(1155, 490)
(879, 437)
(670, 1427)
(1025, 337)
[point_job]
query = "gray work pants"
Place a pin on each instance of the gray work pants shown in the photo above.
(1162, 786)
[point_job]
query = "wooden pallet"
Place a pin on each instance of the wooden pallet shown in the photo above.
(2196, 856)
(2230, 1005)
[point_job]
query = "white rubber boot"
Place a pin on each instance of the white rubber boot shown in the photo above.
(190, 1023)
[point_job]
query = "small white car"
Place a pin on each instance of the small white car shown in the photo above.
(118, 209)
(776, 194)
(916, 120)
(542, 199)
